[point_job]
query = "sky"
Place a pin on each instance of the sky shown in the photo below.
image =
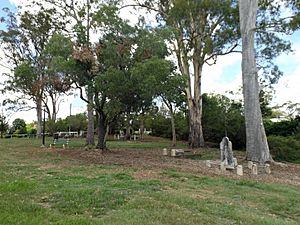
(221, 78)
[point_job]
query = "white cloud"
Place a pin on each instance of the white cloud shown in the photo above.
(212, 75)
(288, 88)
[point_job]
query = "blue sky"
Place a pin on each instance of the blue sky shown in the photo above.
(220, 78)
(5, 4)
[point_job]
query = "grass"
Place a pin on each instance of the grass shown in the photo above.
(40, 187)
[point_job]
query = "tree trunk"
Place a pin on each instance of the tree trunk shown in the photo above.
(128, 126)
(173, 126)
(106, 133)
(142, 126)
(196, 139)
(39, 113)
(194, 102)
(90, 129)
(101, 132)
(256, 141)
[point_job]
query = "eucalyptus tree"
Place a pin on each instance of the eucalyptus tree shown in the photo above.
(200, 31)
(172, 94)
(79, 15)
(267, 25)
(23, 42)
(58, 68)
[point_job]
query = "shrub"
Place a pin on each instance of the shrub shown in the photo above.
(284, 148)
(283, 128)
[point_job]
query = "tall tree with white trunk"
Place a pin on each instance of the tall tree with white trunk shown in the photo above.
(256, 140)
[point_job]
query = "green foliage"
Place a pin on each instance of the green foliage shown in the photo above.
(284, 148)
(283, 128)
(264, 100)
(223, 117)
(3, 125)
(77, 122)
(30, 128)
(19, 126)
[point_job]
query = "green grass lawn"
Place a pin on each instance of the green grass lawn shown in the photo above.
(41, 187)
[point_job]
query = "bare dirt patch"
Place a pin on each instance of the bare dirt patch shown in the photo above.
(149, 163)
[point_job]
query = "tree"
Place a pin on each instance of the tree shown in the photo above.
(134, 71)
(200, 31)
(19, 126)
(269, 45)
(256, 140)
(80, 15)
(58, 64)
(23, 43)
(223, 117)
(172, 93)
(77, 122)
(3, 125)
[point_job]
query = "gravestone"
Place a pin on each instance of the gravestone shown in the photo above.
(208, 164)
(254, 169)
(177, 152)
(250, 164)
(226, 153)
(267, 169)
(165, 152)
(222, 167)
(239, 170)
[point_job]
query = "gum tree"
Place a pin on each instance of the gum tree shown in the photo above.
(200, 31)
(23, 42)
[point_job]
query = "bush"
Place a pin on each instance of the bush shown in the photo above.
(284, 148)
(283, 128)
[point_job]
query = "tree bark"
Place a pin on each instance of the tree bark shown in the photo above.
(39, 113)
(256, 141)
(142, 126)
(128, 126)
(101, 131)
(90, 140)
(194, 102)
(173, 126)
(196, 139)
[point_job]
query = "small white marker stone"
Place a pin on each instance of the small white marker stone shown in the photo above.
(235, 162)
(254, 169)
(268, 169)
(173, 152)
(222, 167)
(165, 152)
(250, 165)
(239, 170)
(208, 164)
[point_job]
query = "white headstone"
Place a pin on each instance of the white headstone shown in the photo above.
(239, 170)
